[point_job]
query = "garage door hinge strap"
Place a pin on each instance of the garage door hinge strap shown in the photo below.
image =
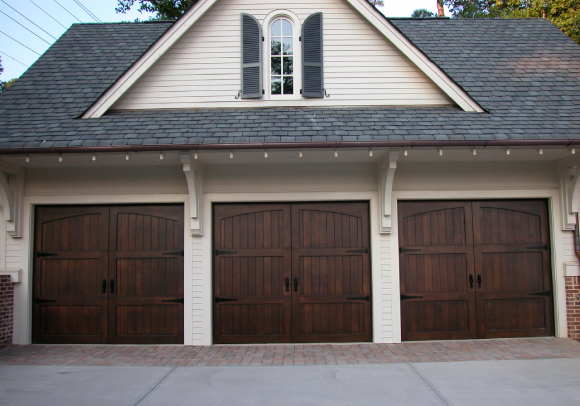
(218, 252)
(402, 250)
(45, 254)
(405, 297)
(361, 251)
(539, 247)
(546, 293)
(178, 253)
(173, 301)
(38, 301)
(367, 298)
(221, 299)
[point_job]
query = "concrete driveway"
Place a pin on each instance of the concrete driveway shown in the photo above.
(520, 382)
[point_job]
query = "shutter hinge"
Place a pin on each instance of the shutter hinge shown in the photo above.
(263, 39)
(299, 38)
(263, 91)
(300, 91)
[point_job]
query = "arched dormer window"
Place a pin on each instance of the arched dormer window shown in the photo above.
(283, 78)
(281, 57)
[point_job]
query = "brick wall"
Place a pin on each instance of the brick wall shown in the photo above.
(6, 310)
(573, 305)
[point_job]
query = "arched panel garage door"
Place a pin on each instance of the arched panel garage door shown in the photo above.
(291, 273)
(108, 274)
(475, 269)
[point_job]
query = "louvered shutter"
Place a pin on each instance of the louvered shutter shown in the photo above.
(251, 58)
(312, 68)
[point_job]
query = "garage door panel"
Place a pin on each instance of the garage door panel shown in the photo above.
(512, 271)
(251, 268)
(510, 222)
(515, 315)
(446, 317)
(436, 224)
(149, 277)
(435, 273)
(336, 275)
(61, 323)
(327, 319)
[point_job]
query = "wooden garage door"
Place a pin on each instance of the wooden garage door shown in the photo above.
(291, 273)
(108, 274)
(475, 269)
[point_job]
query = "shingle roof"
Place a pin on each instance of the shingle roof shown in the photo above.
(525, 73)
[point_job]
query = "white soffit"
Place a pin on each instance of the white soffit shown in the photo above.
(430, 69)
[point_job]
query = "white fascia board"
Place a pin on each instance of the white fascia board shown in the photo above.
(429, 68)
(147, 60)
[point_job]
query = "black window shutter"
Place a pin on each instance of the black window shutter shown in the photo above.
(251, 58)
(312, 68)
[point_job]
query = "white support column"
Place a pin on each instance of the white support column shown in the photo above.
(193, 175)
(386, 168)
(11, 194)
(569, 191)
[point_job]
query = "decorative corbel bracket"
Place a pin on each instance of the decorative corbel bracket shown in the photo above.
(193, 175)
(569, 191)
(386, 174)
(11, 194)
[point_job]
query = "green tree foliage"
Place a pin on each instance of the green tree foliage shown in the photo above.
(173, 9)
(5, 85)
(423, 13)
(564, 14)
(164, 9)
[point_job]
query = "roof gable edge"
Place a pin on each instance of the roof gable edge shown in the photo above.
(417, 57)
(121, 85)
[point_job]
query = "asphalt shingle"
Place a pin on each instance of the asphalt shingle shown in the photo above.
(524, 73)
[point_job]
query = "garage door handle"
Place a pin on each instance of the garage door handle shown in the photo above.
(295, 284)
(479, 281)
(112, 286)
(470, 281)
(104, 286)
(287, 284)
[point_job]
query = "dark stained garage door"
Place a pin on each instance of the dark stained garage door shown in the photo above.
(291, 273)
(475, 269)
(108, 274)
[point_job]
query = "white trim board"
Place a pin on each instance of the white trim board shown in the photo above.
(173, 34)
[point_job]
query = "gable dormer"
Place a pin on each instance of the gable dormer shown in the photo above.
(243, 53)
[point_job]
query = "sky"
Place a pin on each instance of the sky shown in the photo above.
(34, 30)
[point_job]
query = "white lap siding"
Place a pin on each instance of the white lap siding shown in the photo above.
(361, 67)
